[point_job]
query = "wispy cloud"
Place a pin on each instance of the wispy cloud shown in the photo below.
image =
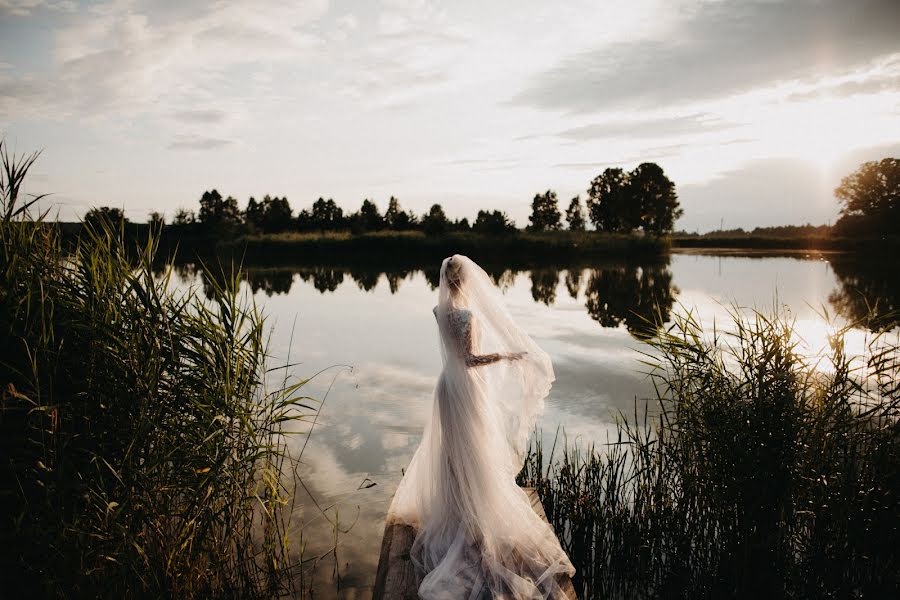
(131, 59)
(198, 143)
(202, 116)
(724, 48)
(641, 128)
(24, 8)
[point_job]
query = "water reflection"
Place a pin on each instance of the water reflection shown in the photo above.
(588, 317)
(869, 292)
(639, 296)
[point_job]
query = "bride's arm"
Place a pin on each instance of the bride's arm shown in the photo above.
(480, 360)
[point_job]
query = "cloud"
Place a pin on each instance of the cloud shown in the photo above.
(725, 48)
(20, 8)
(128, 58)
(646, 155)
(203, 116)
(348, 21)
(883, 79)
(198, 143)
(643, 128)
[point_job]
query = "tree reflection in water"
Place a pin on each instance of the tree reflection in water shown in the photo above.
(269, 281)
(868, 292)
(543, 285)
(324, 279)
(573, 282)
(638, 296)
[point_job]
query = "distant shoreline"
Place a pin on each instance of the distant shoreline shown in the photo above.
(521, 247)
(819, 244)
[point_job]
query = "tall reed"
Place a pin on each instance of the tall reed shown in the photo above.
(144, 453)
(767, 474)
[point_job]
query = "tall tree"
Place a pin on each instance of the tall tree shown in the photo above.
(494, 222)
(277, 214)
(545, 214)
(253, 214)
(607, 202)
(304, 221)
(435, 222)
(217, 212)
(396, 218)
(870, 198)
(370, 217)
(327, 215)
(575, 215)
(101, 217)
(650, 189)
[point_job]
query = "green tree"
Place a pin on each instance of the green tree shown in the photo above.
(326, 215)
(253, 215)
(277, 214)
(575, 215)
(494, 222)
(370, 217)
(217, 212)
(304, 221)
(105, 216)
(462, 225)
(870, 198)
(545, 215)
(396, 218)
(650, 189)
(607, 203)
(435, 222)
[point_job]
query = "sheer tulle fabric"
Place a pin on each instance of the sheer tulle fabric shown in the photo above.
(477, 533)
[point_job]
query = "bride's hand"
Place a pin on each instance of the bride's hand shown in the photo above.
(515, 355)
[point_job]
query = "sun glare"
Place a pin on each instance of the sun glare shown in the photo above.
(823, 131)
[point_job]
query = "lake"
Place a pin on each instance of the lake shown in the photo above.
(373, 337)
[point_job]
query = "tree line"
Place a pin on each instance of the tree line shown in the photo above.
(275, 215)
(617, 201)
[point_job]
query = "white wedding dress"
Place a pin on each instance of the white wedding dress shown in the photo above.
(478, 536)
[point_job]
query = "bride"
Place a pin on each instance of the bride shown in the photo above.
(478, 536)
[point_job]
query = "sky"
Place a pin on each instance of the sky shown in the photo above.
(755, 109)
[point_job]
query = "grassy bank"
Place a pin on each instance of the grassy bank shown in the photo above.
(416, 247)
(412, 248)
(143, 453)
(768, 475)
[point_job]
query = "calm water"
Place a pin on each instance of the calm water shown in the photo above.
(381, 324)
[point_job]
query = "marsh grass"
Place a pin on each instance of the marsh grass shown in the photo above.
(144, 452)
(767, 474)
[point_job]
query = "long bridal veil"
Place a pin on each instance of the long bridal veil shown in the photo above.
(477, 533)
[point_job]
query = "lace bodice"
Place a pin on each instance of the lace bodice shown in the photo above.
(463, 329)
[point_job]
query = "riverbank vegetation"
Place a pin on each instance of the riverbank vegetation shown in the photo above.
(767, 474)
(624, 212)
(631, 212)
(144, 447)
